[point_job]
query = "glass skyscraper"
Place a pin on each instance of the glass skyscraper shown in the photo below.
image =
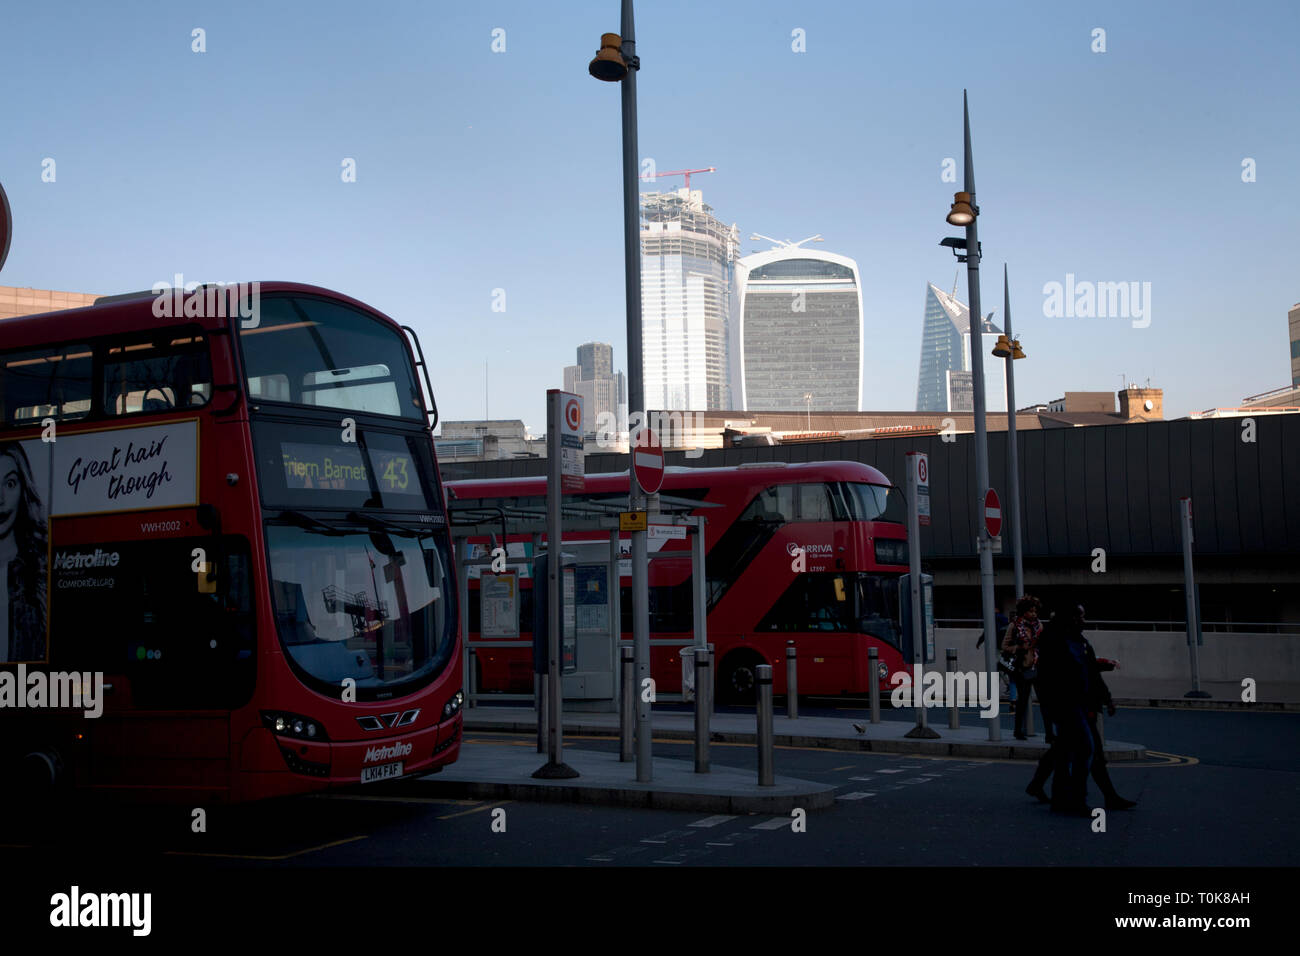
(798, 331)
(686, 273)
(945, 380)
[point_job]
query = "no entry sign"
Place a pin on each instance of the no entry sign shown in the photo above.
(648, 461)
(992, 513)
(6, 226)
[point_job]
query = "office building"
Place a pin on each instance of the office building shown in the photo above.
(603, 391)
(687, 257)
(798, 331)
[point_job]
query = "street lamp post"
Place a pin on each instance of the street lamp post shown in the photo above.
(965, 212)
(1008, 348)
(617, 62)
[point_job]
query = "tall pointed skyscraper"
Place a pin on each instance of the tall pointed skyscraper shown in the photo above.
(944, 382)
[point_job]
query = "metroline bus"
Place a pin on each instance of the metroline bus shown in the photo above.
(237, 520)
(841, 601)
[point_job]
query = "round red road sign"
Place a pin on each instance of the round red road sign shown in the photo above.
(573, 415)
(648, 460)
(992, 513)
(6, 226)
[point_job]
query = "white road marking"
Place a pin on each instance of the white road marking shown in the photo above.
(711, 821)
(854, 796)
(776, 823)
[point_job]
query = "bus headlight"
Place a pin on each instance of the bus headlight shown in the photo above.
(292, 725)
(891, 551)
(453, 706)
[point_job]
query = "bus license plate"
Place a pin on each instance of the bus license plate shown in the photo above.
(383, 772)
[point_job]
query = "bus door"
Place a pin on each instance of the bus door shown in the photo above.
(175, 645)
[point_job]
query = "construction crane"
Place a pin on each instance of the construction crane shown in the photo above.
(683, 172)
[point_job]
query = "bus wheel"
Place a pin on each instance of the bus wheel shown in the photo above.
(39, 775)
(739, 678)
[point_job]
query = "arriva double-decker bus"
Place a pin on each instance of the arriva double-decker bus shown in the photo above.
(810, 552)
(225, 504)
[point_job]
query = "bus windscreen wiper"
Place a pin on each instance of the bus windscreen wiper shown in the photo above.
(309, 523)
(379, 524)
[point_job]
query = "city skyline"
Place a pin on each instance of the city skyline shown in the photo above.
(441, 180)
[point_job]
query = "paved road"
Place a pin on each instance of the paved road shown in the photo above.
(1221, 790)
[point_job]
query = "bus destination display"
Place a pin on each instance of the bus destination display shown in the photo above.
(310, 466)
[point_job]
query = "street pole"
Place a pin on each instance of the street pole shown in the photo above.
(555, 768)
(635, 391)
(1189, 591)
(981, 426)
(1013, 453)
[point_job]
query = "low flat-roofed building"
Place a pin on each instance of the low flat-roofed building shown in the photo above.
(17, 300)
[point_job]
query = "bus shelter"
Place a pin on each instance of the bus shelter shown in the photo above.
(591, 592)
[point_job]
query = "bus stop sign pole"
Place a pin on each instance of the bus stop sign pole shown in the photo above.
(918, 477)
(563, 422)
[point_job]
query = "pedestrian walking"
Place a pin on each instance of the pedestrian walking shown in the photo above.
(1006, 691)
(1021, 642)
(1098, 698)
(1065, 689)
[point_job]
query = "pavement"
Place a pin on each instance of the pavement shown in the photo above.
(1224, 695)
(833, 733)
(504, 772)
(504, 769)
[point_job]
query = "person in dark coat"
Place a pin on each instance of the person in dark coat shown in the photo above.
(1071, 693)
(1099, 697)
(1063, 693)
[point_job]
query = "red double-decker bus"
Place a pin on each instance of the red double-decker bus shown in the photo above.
(809, 552)
(224, 504)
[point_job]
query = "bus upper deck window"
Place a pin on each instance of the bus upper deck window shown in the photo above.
(47, 383)
(168, 371)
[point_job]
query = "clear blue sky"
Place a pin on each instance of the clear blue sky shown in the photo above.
(479, 171)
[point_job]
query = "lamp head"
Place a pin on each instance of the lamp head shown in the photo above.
(1002, 348)
(1016, 353)
(608, 64)
(962, 213)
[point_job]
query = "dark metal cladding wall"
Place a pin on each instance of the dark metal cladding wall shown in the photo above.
(1105, 486)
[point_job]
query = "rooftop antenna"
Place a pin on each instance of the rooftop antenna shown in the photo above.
(955, 276)
(786, 243)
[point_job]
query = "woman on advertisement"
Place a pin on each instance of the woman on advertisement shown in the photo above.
(23, 557)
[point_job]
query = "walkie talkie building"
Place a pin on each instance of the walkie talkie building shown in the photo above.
(798, 331)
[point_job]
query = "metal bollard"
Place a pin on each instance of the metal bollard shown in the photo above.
(543, 682)
(703, 684)
(472, 696)
(539, 704)
(627, 713)
(954, 719)
(765, 777)
(1029, 709)
(791, 682)
(873, 682)
(712, 679)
